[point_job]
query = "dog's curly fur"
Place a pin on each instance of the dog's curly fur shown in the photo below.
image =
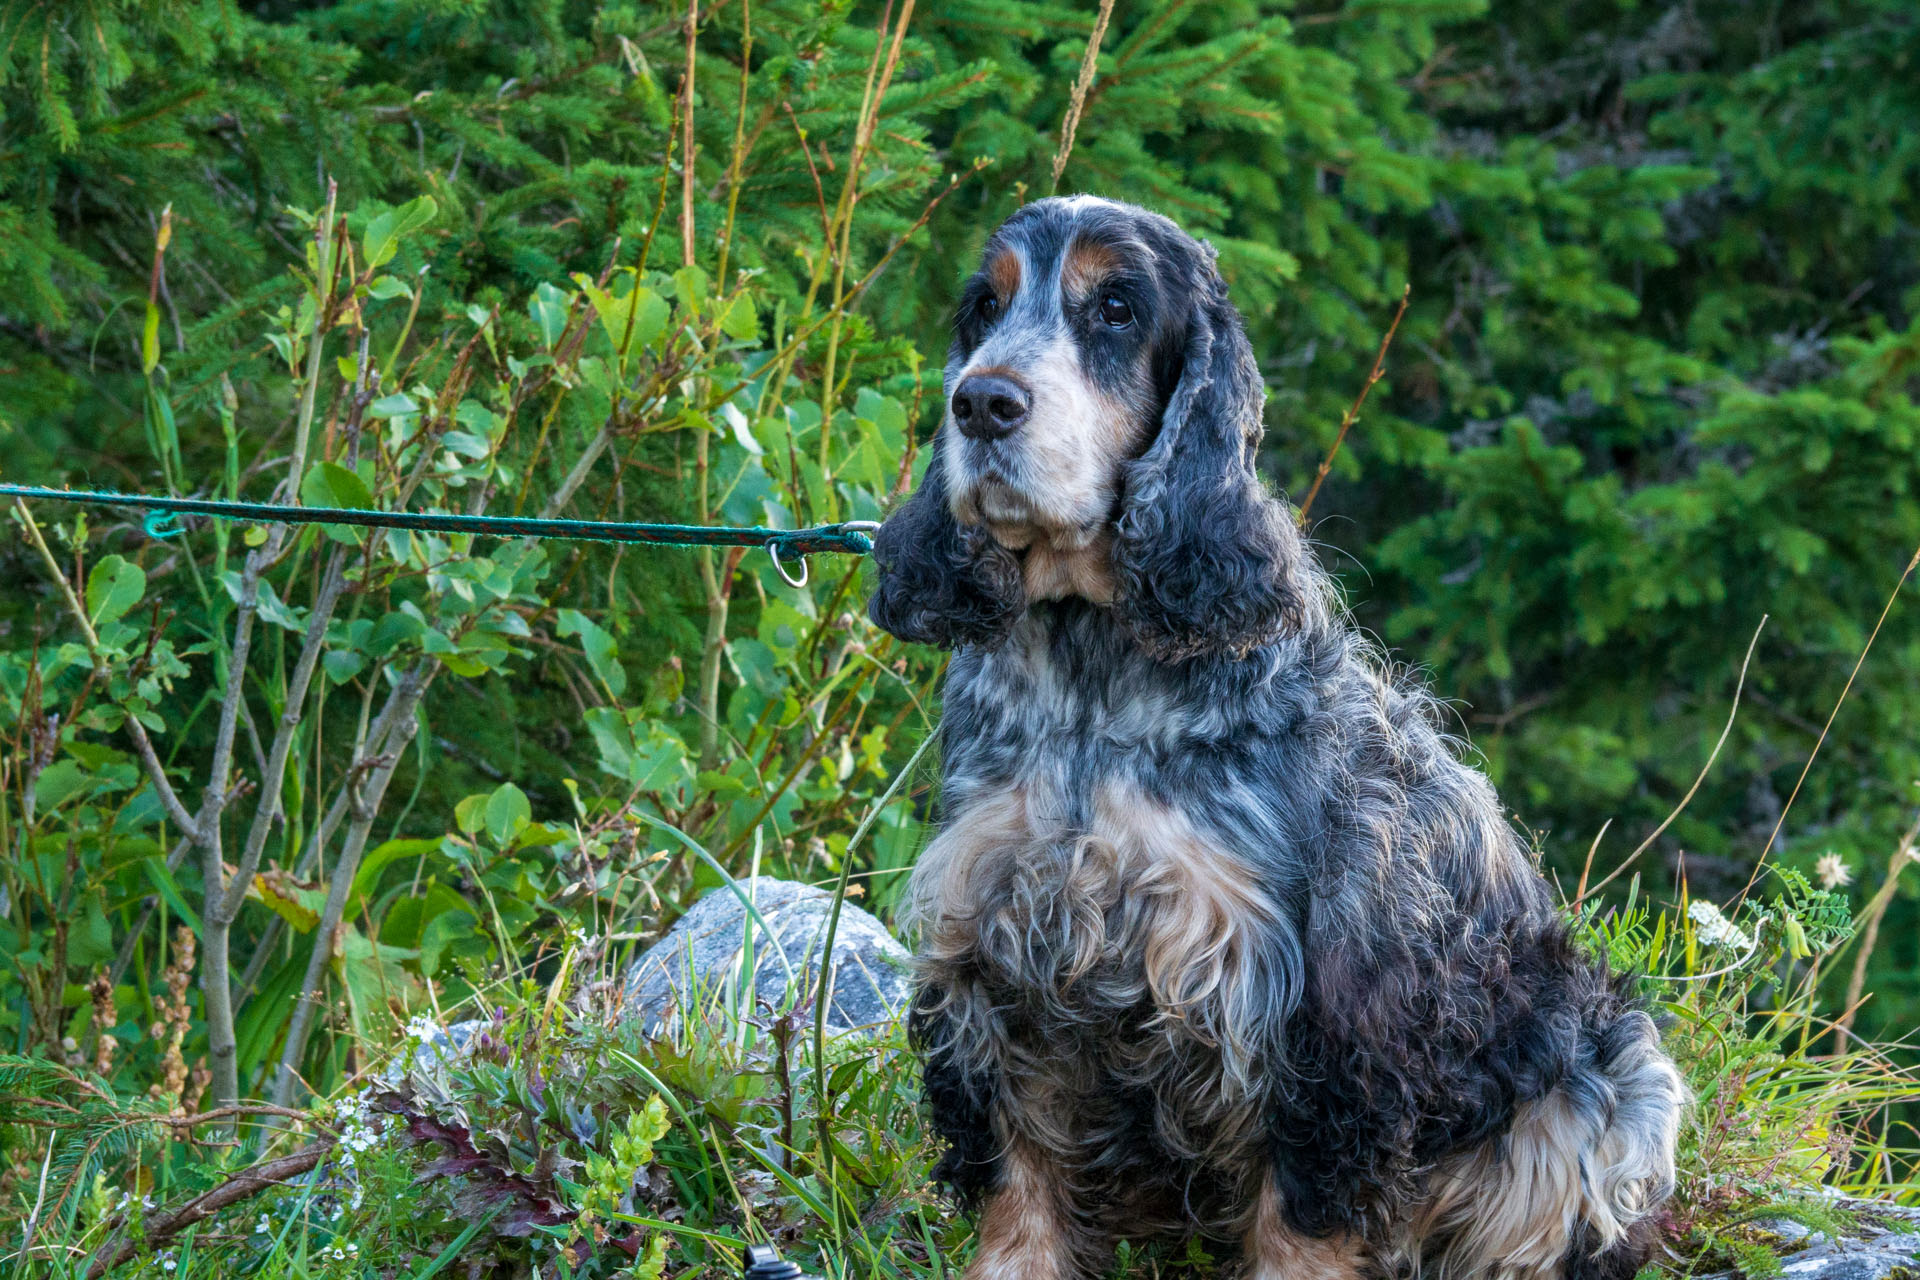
(1219, 935)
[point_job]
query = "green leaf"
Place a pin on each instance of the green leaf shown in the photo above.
(507, 813)
(328, 484)
(60, 782)
(603, 653)
(150, 340)
(385, 231)
(742, 320)
(631, 321)
(115, 586)
(548, 307)
(164, 884)
(342, 665)
(298, 904)
(381, 857)
(470, 815)
(396, 405)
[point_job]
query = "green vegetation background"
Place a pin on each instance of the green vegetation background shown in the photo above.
(1656, 382)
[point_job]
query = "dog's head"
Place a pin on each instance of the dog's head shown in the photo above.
(1102, 414)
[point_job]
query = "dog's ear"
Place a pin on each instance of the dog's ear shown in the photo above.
(940, 582)
(1205, 562)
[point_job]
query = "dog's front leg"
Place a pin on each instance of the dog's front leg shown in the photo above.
(1275, 1251)
(1026, 1228)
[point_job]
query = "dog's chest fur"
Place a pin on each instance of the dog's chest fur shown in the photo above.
(1093, 946)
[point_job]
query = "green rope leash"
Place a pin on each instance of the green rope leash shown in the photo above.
(852, 537)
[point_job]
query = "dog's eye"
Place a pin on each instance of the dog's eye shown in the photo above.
(1116, 312)
(989, 308)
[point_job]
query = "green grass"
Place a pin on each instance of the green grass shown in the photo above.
(567, 1144)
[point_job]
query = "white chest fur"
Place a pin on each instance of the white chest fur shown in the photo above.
(1136, 911)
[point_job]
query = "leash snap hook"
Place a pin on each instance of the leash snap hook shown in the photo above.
(162, 524)
(780, 567)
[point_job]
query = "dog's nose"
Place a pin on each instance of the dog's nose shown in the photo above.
(987, 406)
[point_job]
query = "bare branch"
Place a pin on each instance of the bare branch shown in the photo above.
(227, 908)
(1353, 411)
(248, 1182)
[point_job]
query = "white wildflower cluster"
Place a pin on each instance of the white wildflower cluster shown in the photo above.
(361, 1129)
(359, 1124)
(340, 1253)
(1715, 929)
(1832, 871)
(423, 1029)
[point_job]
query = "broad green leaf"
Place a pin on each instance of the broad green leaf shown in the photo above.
(328, 484)
(115, 586)
(378, 859)
(742, 320)
(399, 404)
(470, 815)
(386, 230)
(633, 320)
(507, 813)
(548, 307)
(603, 653)
(60, 782)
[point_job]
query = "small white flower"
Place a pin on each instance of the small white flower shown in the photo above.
(423, 1028)
(1715, 929)
(1832, 871)
(339, 1254)
(263, 1226)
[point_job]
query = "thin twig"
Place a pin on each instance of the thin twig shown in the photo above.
(1713, 755)
(1870, 936)
(1089, 62)
(819, 192)
(686, 136)
(1912, 563)
(1353, 410)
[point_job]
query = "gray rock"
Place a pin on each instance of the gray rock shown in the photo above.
(428, 1056)
(700, 967)
(1886, 1246)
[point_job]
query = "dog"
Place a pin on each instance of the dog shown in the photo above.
(1219, 938)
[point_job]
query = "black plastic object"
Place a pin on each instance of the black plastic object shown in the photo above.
(763, 1263)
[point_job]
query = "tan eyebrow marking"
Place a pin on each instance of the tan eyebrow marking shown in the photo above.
(1085, 264)
(1003, 273)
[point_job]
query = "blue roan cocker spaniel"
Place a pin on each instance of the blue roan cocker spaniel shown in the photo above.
(1219, 937)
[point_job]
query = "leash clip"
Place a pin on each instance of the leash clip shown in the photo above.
(162, 524)
(779, 566)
